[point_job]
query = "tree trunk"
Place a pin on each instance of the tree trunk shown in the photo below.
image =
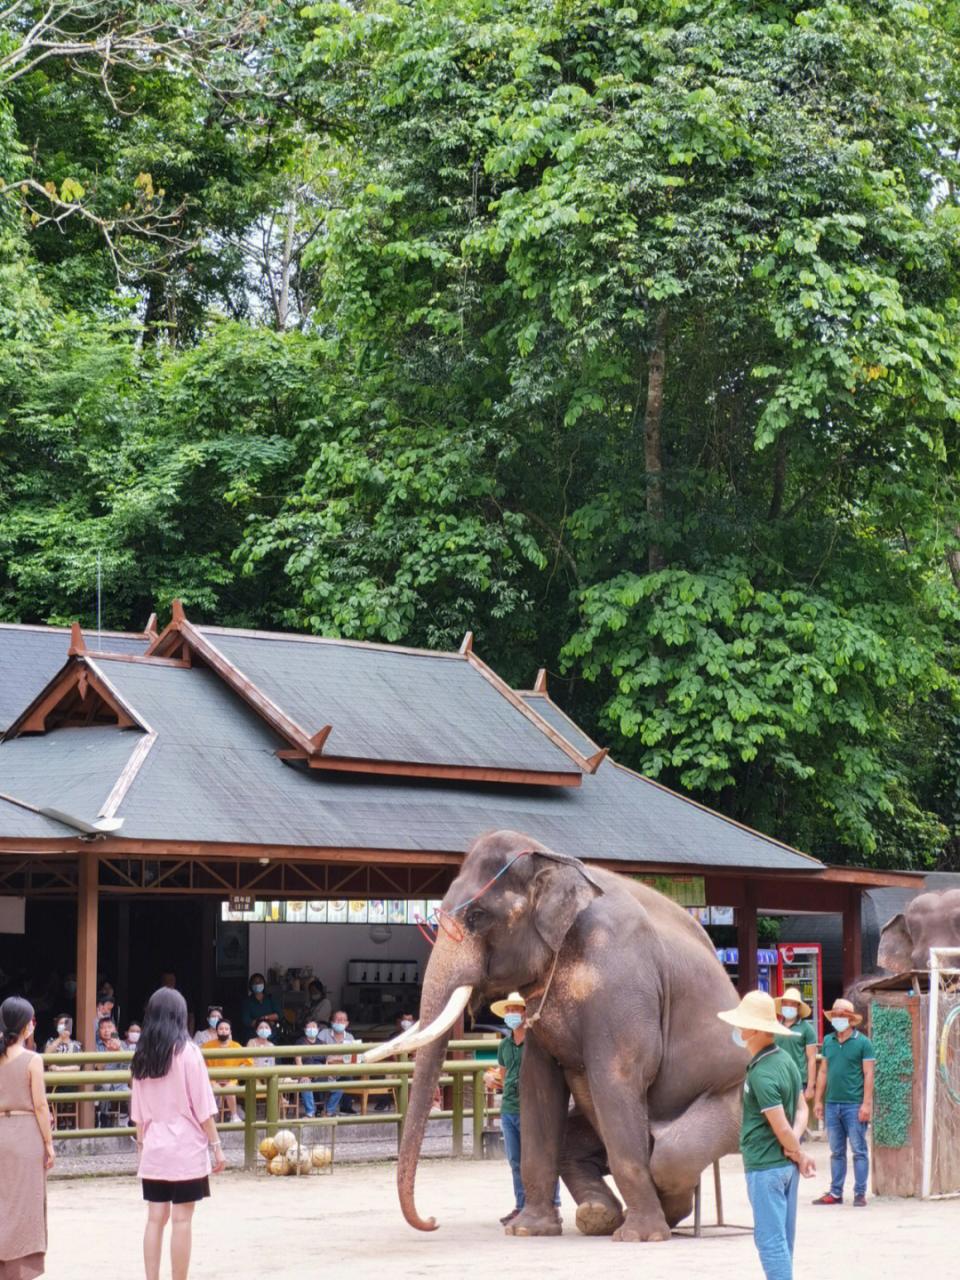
(283, 303)
(652, 441)
(779, 477)
(953, 558)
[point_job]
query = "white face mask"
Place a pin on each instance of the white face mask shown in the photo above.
(311, 1033)
(263, 1032)
(133, 1037)
(339, 1027)
(212, 1022)
(62, 1029)
(788, 1012)
(405, 1024)
(840, 1024)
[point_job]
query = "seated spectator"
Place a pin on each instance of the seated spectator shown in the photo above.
(404, 1022)
(63, 1042)
(131, 1036)
(209, 1032)
(319, 1007)
(337, 1033)
(263, 1040)
(311, 1032)
(110, 1115)
(259, 1006)
(104, 1014)
(223, 1039)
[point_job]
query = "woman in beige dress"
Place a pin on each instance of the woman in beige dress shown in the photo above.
(26, 1146)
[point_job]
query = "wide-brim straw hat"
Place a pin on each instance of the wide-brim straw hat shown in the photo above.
(793, 996)
(757, 1011)
(500, 1007)
(844, 1009)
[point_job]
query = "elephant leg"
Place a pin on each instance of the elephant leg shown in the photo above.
(619, 1103)
(543, 1111)
(583, 1166)
(682, 1149)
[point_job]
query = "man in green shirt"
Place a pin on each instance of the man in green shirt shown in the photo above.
(509, 1058)
(794, 1013)
(846, 1081)
(774, 1117)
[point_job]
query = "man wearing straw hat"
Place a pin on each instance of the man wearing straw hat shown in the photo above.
(794, 1013)
(774, 1117)
(846, 1078)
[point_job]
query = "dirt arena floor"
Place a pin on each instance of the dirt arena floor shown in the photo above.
(349, 1223)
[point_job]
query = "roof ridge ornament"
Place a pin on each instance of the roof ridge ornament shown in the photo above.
(466, 645)
(78, 644)
(540, 684)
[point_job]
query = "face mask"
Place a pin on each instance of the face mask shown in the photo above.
(257, 988)
(840, 1024)
(212, 1023)
(223, 1035)
(62, 1028)
(737, 1038)
(788, 1013)
(70, 986)
(312, 1033)
(339, 1027)
(263, 1033)
(133, 1037)
(405, 1024)
(513, 1020)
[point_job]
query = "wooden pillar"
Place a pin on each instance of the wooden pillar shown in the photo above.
(123, 964)
(747, 940)
(87, 921)
(208, 958)
(852, 940)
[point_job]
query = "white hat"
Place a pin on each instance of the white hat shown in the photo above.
(793, 996)
(757, 1011)
(500, 1008)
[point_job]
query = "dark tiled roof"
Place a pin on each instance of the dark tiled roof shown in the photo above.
(388, 704)
(31, 656)
(18, 822)
(211, 773)
(549, 711)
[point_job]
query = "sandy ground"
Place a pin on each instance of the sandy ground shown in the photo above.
(348, 1222)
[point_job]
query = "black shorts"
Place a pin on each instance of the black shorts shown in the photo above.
(158, 1191)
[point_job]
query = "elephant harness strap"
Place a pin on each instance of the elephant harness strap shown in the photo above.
(542, 992)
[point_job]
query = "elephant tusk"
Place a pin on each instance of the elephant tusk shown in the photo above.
(443, 1022)
(389, 1047)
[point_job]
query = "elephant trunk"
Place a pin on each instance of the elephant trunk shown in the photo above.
(445, 993)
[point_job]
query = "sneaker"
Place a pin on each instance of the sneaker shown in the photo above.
(509, 1217)
(829, 1199)
(860, 1202)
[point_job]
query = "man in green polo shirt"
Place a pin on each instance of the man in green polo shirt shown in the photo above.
(509, 1058)
(794, 1013)
(774, 1118)
(845, 1079)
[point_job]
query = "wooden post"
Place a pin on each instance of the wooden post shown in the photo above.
(87, 921)
(747, 941)
(852, 943)
(123, 961)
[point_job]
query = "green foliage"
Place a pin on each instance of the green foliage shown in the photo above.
(494, 217)
(892, 1036)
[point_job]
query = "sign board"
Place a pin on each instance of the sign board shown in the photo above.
(13, 915)
(688, 891)
(241, 902)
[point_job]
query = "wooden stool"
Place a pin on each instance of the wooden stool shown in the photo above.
(65, 1111)
(377, 1093)
(289, 1106)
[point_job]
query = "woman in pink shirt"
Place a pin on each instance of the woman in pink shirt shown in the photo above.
(173, 1107)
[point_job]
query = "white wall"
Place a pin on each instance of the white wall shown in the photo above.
(328, 947)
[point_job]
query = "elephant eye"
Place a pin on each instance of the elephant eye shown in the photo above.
(476, 918)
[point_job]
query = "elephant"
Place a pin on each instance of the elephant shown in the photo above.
(928, 920)
(622, 988)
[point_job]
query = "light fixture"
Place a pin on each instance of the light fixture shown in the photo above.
(380, 933)
(264, 862)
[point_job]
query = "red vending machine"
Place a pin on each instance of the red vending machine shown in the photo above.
(800, 964)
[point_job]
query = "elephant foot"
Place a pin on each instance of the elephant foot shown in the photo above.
(534, 1222)
(640, 1227)
(598, 1218)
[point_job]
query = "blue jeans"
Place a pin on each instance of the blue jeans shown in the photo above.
(773, 1198)
(843, 1123)
(510, 1128)
(332, 1104)
(309, 1103)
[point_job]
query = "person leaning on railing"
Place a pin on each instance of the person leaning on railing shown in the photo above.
(26, 1146)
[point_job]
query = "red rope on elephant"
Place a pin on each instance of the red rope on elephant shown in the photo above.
(444, 920)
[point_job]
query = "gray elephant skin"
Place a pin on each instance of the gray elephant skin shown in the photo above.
(928, 920)
(626, 1029)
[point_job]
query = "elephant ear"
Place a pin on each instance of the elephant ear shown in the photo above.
(560, 892)
(896, 945)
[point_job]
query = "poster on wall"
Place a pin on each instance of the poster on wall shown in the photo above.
(296, 912)
(232, 949)
(317, 912)
(416, 909)
(357, 913)
(397, 911)
(337, 911)
(377, 911)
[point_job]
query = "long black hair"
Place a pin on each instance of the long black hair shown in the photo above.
(15, 1013)
(163, 1033)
